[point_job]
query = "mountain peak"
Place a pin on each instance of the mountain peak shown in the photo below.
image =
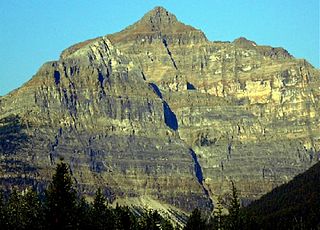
(156, 23)
(274, 52)
(159, 18)
(159, 11)
(244, 42)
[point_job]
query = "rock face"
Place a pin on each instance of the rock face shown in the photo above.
(160, 112)
(94, 109)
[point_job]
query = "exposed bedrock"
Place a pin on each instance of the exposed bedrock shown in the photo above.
(159, 113)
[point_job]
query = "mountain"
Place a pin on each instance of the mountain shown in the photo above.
(294, 205)
(159, 115)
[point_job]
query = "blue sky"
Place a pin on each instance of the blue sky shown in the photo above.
(35, 31)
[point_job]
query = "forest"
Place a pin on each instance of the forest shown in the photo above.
(291, 206)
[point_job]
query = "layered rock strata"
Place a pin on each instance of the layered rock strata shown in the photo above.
(159, 111)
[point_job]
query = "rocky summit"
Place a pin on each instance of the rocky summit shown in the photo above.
(159, 116)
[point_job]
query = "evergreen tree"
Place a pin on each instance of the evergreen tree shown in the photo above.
(61, 200)
(23, 211)
(218, 215)
(32, 210)
(166, 224)
(150, 220)
(234, 219)
(83, 212)
(2, 211)
(101, 215)
(14, 212)
(124, 219)
(195, 222)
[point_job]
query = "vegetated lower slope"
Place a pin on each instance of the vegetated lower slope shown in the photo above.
(295, 205)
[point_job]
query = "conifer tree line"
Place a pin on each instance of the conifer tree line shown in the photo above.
(62, 208)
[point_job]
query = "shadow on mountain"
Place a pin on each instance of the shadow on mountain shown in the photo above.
(56, 76)
(156, 89)
(294, 205)
(197, 166)
(190, 86)
(100, 79)
(198, 171)
(12, 137)
(169, 117)
(12, 165)
(11, 182)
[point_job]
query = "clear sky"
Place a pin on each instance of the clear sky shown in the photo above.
(35, 31)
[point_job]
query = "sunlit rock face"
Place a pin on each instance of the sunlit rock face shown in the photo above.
(250, 112)
(94, 108)
(157, 112)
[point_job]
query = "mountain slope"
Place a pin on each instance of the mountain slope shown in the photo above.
(94, 109)
(249, 112)
(295, 204)
(158, 113)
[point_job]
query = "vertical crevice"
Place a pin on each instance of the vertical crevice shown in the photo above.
(169, 117)
(197, 167)
(199, 174)
(156, 90)
(164, 41)
(101, 80)
(56, 76)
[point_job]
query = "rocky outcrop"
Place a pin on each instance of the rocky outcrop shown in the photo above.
(248, 111)
(158, 112)
(158, 25)
(94, 109)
